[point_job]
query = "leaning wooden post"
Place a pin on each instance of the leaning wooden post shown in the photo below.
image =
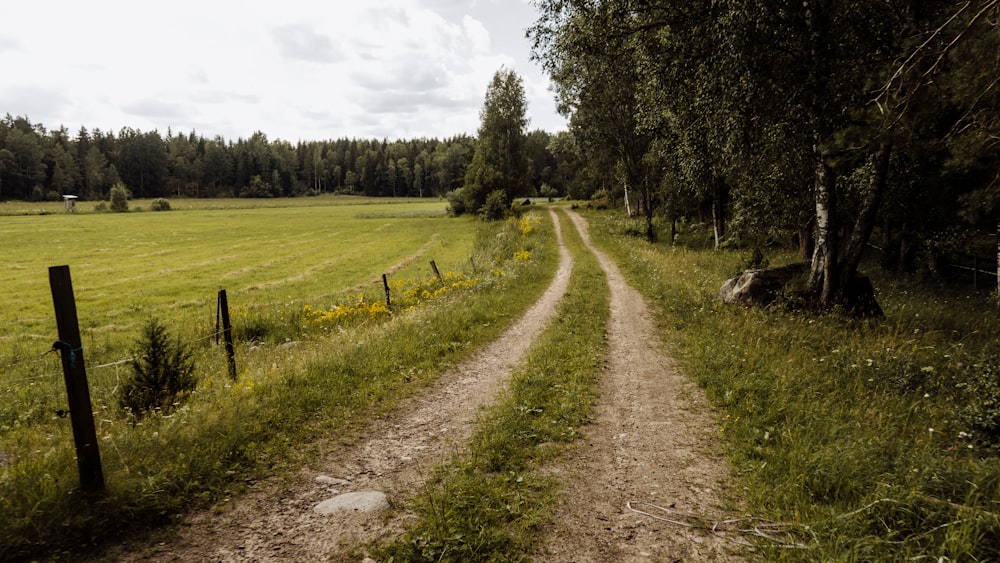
(436, 272)
(88, 457)
(385, 284)
(227, 333)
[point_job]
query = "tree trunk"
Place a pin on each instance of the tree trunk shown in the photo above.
(628, 207)
(824, 274)
(866, 217)
(719, 212)
(647, 201)
(806, 245)
(998, 262)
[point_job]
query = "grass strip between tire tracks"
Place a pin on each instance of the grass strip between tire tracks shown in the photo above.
(491, 501)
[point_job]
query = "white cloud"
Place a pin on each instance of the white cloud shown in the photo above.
(300, 69)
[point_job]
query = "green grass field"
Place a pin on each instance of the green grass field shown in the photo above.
(128, 267)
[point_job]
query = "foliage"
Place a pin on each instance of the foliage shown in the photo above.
(500, 162)
(257, 188)
(784, 117)
(496, 206)
(162, 373)
(35, 162)
(119, 197)
(456, 202)
(159, 204)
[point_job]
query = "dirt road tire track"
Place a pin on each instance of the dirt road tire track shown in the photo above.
(278, 523)
(652, 441)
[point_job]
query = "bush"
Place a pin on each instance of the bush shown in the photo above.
(101, 207)
(456, 202)
(496, 206)
(119, 198)
(160, 204)
(163, 373)
(257, 188)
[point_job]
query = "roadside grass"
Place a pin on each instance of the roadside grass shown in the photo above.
(873, 439)
(290, 396)
(490, 502)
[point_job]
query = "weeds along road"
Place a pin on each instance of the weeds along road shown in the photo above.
(650, 442)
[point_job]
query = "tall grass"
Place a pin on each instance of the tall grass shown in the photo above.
(287, 396)
(863, 431)
(489, 502)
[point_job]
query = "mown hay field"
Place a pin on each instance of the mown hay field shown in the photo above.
(128, 267)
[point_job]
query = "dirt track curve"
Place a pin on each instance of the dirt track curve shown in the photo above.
(651, 442)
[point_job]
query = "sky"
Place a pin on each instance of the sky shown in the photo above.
(293, 69)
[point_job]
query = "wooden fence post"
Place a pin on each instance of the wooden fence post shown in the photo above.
(227, 332)
(88, 457)
(385, 284)
(436, 272)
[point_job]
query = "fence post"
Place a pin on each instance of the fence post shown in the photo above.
(227, 333)
(385, 284)
(436, 272)
(473, 264)
(88, 457)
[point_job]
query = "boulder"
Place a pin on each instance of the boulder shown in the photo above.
(361, 501)
(760, 287)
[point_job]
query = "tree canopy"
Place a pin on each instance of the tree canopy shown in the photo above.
(500, 161)
(828, 121)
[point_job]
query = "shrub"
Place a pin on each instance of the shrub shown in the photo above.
(496, 206)
(119, 198)
(456, 202)
(163, 373)
(160, 204)
(101, 207)
(257, 188)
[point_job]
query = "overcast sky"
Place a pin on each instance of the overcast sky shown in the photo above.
(294, 69)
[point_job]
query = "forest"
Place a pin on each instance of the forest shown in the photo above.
(836, 125)
(41, 164)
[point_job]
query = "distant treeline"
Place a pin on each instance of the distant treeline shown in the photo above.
(38, 164)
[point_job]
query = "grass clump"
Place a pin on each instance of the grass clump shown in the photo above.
(489, 503)
(875, 434)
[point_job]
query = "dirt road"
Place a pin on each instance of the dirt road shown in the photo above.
(651, 442)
